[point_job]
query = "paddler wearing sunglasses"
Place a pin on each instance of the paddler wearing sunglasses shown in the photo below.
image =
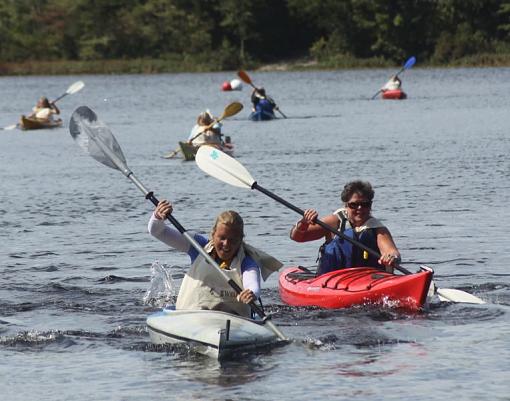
(355, 221)
(202, 286)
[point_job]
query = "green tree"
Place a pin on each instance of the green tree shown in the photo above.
(238, 20)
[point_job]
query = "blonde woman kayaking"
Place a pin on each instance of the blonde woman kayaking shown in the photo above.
(203, 287)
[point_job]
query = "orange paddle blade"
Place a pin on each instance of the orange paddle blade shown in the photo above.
(231, 109)
(244, 77)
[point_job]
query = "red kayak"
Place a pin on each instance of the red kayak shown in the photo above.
(394, 94)
(355, 286)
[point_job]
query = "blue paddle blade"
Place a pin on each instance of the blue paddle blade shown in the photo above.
(409, 63)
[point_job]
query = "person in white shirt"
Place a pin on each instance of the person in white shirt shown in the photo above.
(203, 287)
(211, 136)
(394, 83)
(44, 110)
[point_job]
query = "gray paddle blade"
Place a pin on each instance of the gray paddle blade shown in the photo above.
(95, 138)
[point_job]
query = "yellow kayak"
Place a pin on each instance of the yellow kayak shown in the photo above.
(27, 123)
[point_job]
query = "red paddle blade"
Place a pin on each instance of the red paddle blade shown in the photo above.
(244, 77)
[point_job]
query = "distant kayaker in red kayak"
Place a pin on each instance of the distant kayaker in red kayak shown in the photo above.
(355, 221)
(394, 83)
(203, 287)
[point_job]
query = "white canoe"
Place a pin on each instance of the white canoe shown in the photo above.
(208, 332)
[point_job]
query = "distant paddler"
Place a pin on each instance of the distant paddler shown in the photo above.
(263, 105)
(207, 131)
(393, 83)
(211, 135)
(392, 88)
(42, 116)
(44, 110)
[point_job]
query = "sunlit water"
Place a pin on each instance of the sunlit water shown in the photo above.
(76, 259)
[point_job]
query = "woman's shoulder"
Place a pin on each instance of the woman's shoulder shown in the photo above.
(249, 262)
(373, 222)
(200, 238)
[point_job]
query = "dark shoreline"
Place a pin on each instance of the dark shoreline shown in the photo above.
(159, 66)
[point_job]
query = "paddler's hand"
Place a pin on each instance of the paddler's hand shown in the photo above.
(389, 261)
(246, 296)
(163, 210)
(298, 231)
(309, 216)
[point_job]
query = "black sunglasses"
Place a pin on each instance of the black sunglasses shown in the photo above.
(356, 205)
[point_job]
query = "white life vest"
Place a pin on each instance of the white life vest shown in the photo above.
(391, 85)
(204, 288)
(44, 114)
(372, 222)
(208, 137)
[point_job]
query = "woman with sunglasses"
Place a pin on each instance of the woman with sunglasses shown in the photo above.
(355, 221)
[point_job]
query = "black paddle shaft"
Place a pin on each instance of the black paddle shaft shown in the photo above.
(150, 196)
(60, 97)
(324, 225)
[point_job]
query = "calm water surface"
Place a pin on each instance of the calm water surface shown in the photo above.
(75, 256)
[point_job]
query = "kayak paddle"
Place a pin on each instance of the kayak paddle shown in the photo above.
(76, 87)
(246, 78)
(229, 111)
(225, 168)
(408, 64)
(9, 127)
(96, 139)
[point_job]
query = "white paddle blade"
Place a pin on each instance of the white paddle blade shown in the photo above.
(96, 139)
(223, 167)
(453, 295)
(77, 86)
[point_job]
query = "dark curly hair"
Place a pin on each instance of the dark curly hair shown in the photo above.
(361, 187)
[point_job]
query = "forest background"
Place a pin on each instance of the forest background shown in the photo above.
(150, 36)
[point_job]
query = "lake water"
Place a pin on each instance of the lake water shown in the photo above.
(75, 255)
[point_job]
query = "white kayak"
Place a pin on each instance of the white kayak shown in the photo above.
(209, 332)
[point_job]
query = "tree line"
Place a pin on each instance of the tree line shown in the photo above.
(229, 34)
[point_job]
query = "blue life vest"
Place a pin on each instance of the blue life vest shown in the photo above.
(340, 253)
(264, 106)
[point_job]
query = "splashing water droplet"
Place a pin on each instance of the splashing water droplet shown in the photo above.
(162, 288)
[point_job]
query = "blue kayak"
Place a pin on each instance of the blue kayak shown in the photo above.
(262, 116)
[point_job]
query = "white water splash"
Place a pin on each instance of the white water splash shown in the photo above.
(162, 288)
